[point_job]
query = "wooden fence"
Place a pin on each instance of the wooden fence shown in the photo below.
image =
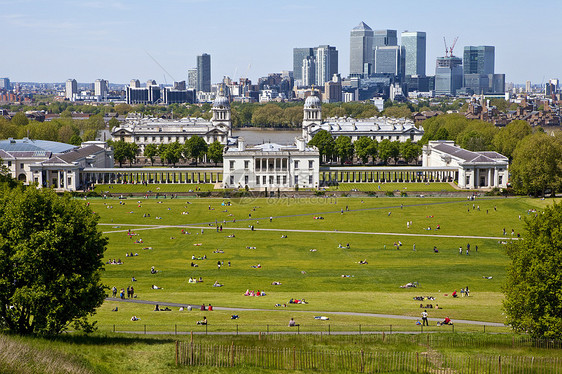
(192, 354)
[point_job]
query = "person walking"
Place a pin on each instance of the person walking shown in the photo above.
(424, 318)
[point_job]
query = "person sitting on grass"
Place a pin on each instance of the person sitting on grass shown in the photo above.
(446, 321)
(134, 318)
(292, 323)
(203, 321)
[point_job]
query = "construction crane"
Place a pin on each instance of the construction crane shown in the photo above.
(453, 46)
(449, 50)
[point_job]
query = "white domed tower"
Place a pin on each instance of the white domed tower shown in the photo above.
(221, 113)
(312, 114)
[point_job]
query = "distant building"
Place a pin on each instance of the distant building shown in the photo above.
(378, 128)
(101, 88)
(5, 84)
(299, 55)
(204, 73)
(390, 60)
(448, 75)
(333, 90)
(272, 166)
(143, 131)
(478, 60)
(478, 68)
(326, 63)
(384, 38)
(71, 89)
(192, 78)
(414, 44)
(361, 50)
(308, 73)
(475, 169)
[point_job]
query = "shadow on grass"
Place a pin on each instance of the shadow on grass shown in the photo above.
(105, 339)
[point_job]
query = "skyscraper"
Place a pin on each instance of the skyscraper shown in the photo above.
(5, 84)
(101, 88)
(308, 71)
(414, 43)
(299, 54)
(361, 50)
(192, 78)
(478, 67)
(479, 60)
(204, 73)
(384, 38)
(71, 89)
(326, 63)
(389, 60)
(448, 75)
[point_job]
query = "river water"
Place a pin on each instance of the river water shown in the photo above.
(259, 136)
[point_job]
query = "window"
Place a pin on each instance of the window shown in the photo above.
(21, 166)
(271, 179)
(264, 179)
(284, 179)
(69, 181)
(310, 180)
(310, 164)
(257, 180)
(246, 164)
(296, 164)
(278, 179)
(246, 180)
(296, 180)
(9, 164)
(467, 180)
(231, 180)
(232, 164)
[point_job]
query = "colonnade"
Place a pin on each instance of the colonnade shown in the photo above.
(140, 176)
(399, 175)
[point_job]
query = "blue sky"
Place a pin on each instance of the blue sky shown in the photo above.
(51, 41)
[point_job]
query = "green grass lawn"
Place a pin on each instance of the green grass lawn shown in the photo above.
(370, 225)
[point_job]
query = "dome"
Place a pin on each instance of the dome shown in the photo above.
(312, 101)
(221, 102)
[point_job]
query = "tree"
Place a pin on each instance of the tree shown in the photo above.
(113, 122)
(409, 150)
(364, 148)
(215, 151)
(75, 140)
(121, 151)
(171, 152)
(507, 139)
(19, 119)
(534, 282)
(325, 143)
(195, 148)
(536, 164)
(151, 151)
(132, 151)
(396, 111)
(388, 150)
(50, 261)
(344, 148)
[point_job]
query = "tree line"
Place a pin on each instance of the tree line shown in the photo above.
(64, 129)
(195, 148)
(364, 149)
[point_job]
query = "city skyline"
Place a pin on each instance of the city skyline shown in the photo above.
(57, 40)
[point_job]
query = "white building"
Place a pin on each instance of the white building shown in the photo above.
(71, 89)
(143, 131)
(53, 164)
(378, 128)
(475, 169)
(271, 166)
